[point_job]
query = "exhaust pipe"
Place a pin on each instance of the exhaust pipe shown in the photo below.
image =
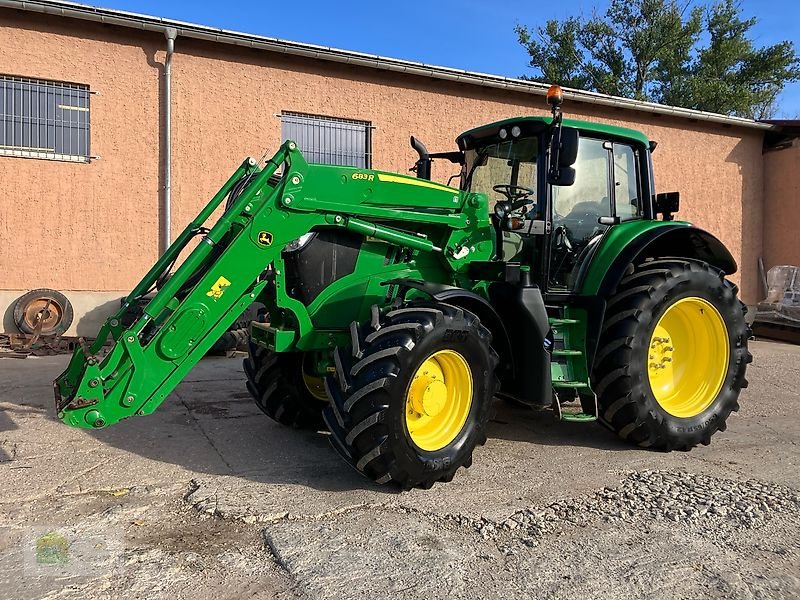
(423, 164)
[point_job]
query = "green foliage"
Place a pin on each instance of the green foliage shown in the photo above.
(668, 51)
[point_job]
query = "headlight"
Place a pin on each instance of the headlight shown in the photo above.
(300, 242)
(516, 131)
(503, 133)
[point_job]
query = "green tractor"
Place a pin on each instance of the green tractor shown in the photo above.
(400, 307)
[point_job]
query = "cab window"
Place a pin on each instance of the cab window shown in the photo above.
(627, 195)
(511, 163)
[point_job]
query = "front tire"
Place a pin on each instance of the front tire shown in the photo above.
(283, 387)
(411, 398)
(672, 355)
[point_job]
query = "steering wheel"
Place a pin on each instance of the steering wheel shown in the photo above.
(517, 197)
(513, 192)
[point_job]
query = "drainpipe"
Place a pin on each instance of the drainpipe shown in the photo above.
(171, 33)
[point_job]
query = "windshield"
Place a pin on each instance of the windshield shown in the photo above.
(511, 163)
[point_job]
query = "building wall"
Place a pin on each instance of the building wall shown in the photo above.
(781, 206)
(85, 228)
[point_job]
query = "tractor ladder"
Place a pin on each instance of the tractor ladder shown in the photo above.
(568, 371)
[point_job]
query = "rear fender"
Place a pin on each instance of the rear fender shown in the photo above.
(633, 242)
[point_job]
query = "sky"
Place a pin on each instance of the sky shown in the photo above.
(466, 34)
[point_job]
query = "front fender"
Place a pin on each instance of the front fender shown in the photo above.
(468, 300)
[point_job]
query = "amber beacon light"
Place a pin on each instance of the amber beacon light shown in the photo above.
(555, 96)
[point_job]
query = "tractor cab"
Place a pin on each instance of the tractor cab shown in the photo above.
(557, 186)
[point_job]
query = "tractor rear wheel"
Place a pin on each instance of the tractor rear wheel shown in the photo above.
(672, 354)
(411, 399)
(284, 387)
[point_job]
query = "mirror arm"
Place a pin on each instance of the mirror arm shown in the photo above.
(554, 147)
(454, 157)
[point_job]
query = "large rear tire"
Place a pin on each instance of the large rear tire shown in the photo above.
(672, 355)
(411, 399)
(283, 387)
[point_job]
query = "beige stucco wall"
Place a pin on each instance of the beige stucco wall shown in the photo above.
(95, 226)
(782, 206)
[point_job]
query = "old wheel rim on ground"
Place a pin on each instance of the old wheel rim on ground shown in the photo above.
(46, 310)
(438, 400)
(688, 357)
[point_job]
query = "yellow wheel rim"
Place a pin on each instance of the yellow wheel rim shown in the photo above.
(438, 400)
(315, 386)
(688, 357)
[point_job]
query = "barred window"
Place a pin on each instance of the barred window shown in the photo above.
(329, 141)
(44, 119)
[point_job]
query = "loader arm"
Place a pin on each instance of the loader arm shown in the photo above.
(225, 272)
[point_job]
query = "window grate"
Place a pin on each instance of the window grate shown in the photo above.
(329, 140)
(44, 119)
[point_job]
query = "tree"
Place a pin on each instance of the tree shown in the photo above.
(667, 51)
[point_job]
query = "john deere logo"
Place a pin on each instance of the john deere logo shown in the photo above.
(218, 289)
(265, 238)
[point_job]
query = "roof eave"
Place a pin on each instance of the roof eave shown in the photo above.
(201, 32)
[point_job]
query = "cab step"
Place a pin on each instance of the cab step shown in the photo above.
(570, 384)
(554, 321)
(567, 353)
(573, 416)
(581, 417)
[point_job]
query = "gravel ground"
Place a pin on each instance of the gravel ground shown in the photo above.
(208, 497)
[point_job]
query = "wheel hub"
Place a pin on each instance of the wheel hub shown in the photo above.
(429, 394)
(45, 312)
(688, 357)
(438, 400)
(661, 351)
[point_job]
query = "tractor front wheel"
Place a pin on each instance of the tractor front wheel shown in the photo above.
(411, 399)
(284, 387)
(672, 355)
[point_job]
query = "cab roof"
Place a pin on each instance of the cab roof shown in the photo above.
(535, 124)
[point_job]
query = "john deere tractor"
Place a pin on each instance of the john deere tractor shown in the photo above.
(398, 308)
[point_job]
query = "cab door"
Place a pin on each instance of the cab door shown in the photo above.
(607, 190)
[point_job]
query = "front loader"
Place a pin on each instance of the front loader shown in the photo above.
(400, 307)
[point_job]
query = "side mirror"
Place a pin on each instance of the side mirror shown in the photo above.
(568, 152)
(563, 154)
(563, 176)
(667, 203)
